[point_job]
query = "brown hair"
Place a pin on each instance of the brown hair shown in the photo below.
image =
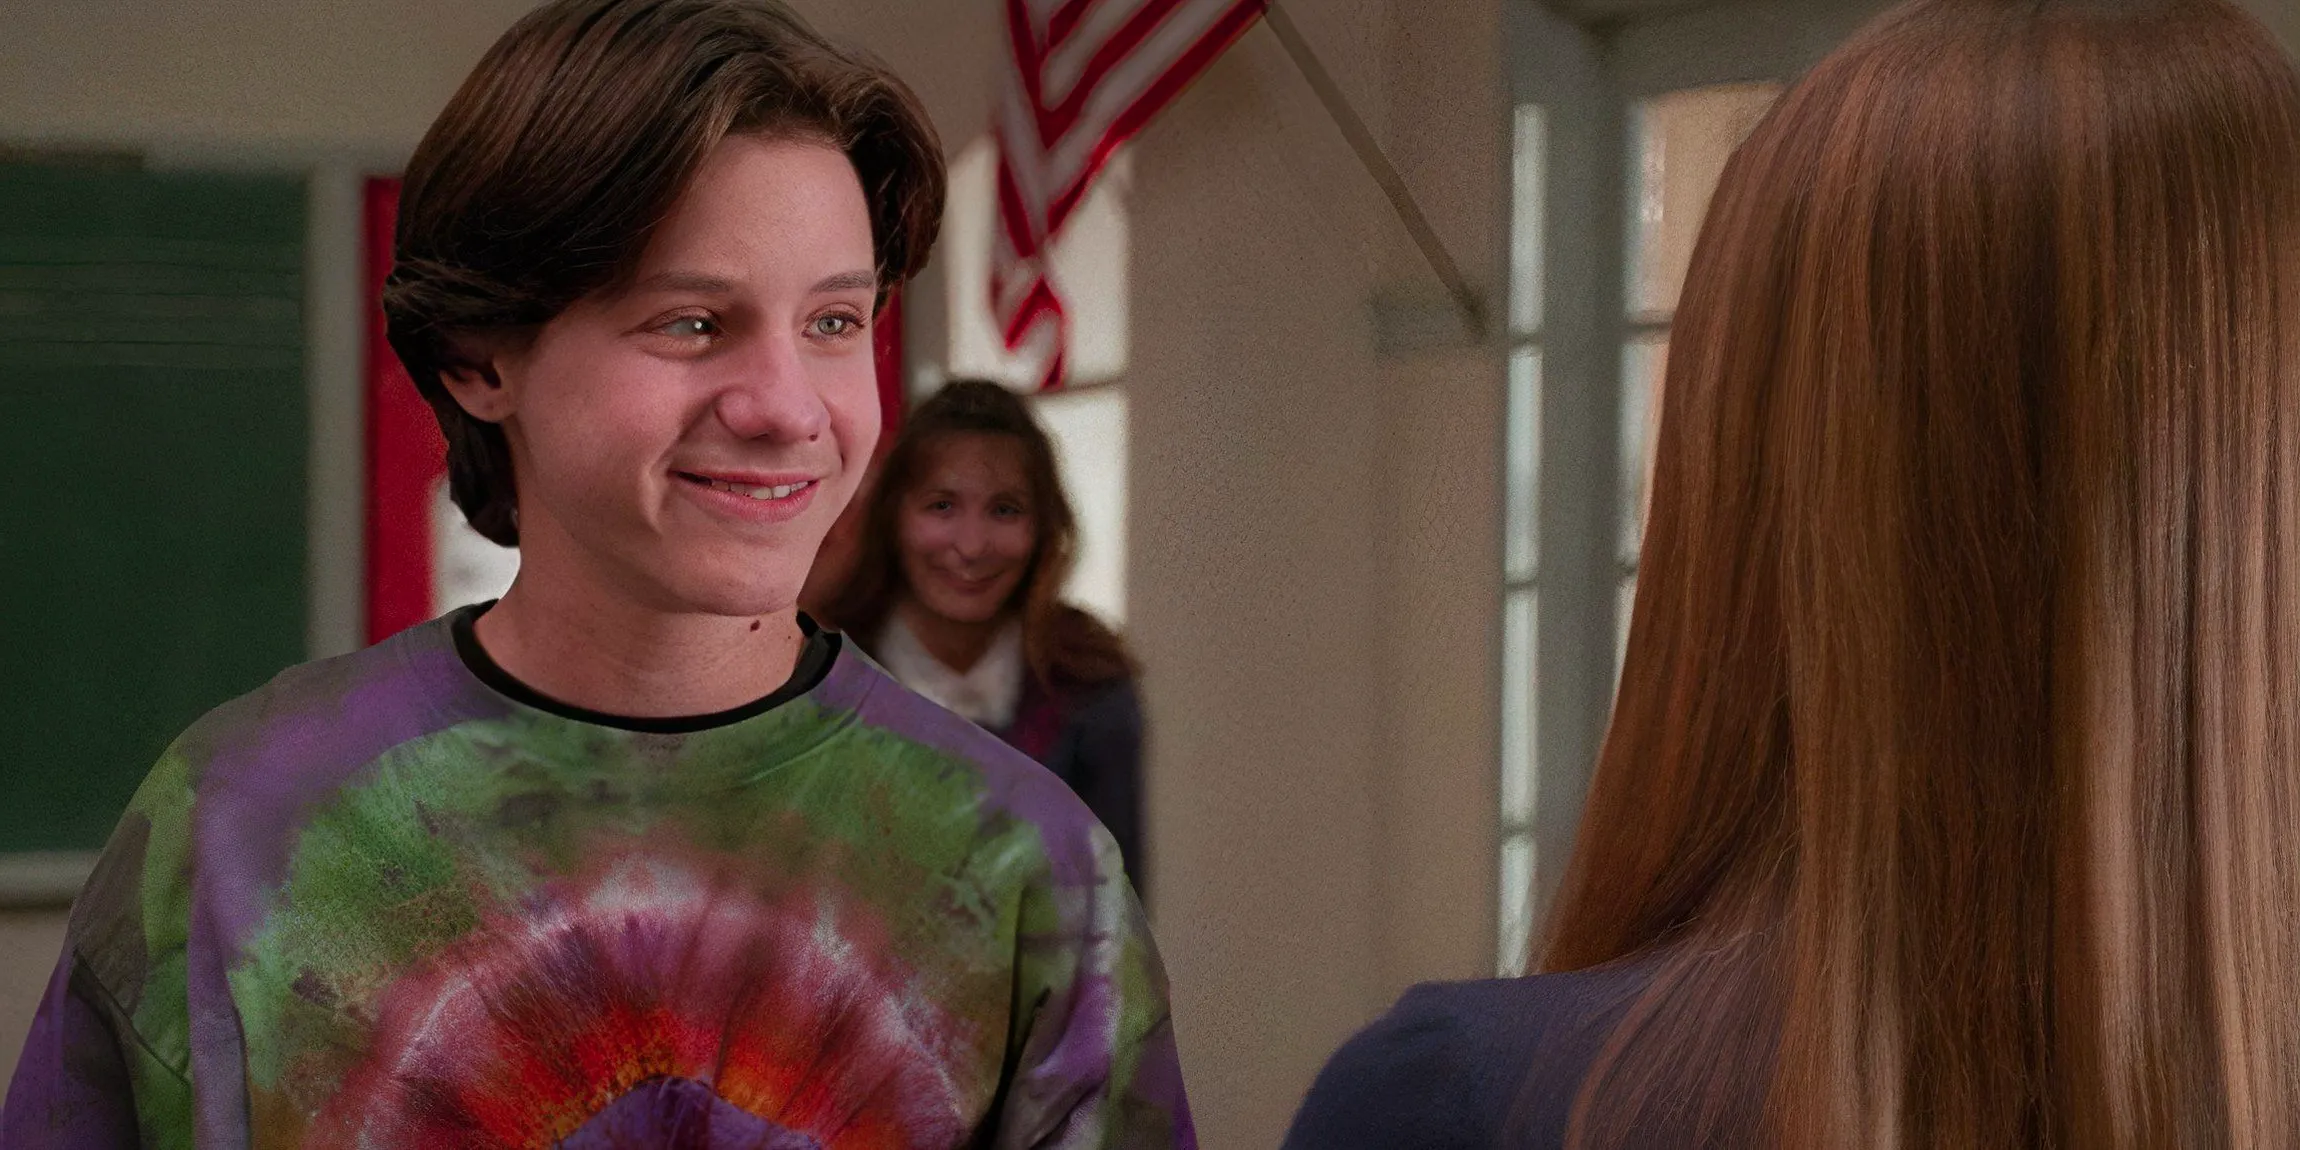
(1062, 644)
(1952, 784)
(548, 171)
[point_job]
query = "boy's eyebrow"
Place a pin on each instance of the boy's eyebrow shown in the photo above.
(703, 283)
(849, 281)
(697, 282)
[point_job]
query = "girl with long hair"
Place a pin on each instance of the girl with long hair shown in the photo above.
(1950, 798)
(962, 550)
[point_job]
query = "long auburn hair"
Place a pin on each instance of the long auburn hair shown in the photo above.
(1063, 645)
(1953, 784)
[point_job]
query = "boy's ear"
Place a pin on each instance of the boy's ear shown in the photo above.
(477, 386)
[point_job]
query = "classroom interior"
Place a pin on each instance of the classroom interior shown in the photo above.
(1374, 562)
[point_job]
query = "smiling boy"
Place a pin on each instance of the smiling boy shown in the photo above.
(636, 855)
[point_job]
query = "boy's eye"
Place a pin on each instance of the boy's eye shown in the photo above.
(691, 327)
(834, 326)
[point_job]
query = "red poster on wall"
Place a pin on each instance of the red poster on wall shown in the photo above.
(422, 559)
(406, 457)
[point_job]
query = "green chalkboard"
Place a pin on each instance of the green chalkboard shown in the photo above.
(152, 474)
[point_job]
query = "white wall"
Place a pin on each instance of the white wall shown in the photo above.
(360, 77)
(1316, 584)
(2281, 16)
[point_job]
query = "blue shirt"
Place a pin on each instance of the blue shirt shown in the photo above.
(1497, 1063)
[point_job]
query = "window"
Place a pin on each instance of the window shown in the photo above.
(1088, 426)
(466, 567)
(1521, 550)
(1677, 147)
(1680, 142)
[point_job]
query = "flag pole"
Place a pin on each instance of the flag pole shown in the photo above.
(1379, 167)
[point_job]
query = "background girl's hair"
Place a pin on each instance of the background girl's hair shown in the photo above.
(1953, 777)
(1062, 644)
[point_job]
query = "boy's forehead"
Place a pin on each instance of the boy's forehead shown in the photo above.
(791, 209)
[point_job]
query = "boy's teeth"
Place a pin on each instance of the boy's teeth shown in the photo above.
(785, 491)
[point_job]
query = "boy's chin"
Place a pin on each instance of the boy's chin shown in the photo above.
(750, 595)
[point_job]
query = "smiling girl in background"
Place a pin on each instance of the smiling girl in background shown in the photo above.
(967, 540)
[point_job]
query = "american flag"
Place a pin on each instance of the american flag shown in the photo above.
(1087, 75)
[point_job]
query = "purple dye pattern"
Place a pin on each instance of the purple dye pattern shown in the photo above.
(681, 1114)
(1075, 1035)
(1086, 1018)
(1089, 1030)
(315, 733)
(219, 1054)
(1023, 788)
(311, 736)
(85, 1109)
(1158, 1081)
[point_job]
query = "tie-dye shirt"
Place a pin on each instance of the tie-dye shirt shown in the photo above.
(391, 900)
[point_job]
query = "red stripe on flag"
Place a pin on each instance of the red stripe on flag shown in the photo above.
(405, 454)
(1014, 216)
(1029, 57)
(1056, 122)
(1153, 100)
(1040, 302)
(1042, 305)
(1029, 223)
(1065, 21)
(1125, 40)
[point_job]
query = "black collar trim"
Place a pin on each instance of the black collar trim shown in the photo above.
(816, 654)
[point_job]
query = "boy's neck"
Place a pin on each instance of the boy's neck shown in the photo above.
(620, 659)
(955, 644)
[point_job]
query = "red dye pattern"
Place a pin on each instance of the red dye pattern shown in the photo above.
(536, 1022)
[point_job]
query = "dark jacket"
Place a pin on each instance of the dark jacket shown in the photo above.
(1457, 1066)
(1090, 736)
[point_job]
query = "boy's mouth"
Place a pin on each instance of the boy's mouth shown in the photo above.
(760, 491)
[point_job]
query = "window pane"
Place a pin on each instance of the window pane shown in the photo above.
(1527, 196)
(1516, 904)
(1624, 604)
(1088, 427)
(467, 567)
(1644, 364)
(1522, 544)
(1520, 638)
(1679, 144)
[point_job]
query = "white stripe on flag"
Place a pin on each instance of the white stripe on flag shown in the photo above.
(1121, 88)
(1068, 60)
(1048, 175)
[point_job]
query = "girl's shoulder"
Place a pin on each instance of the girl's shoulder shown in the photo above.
(1080, 650)
(1469, 1064)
